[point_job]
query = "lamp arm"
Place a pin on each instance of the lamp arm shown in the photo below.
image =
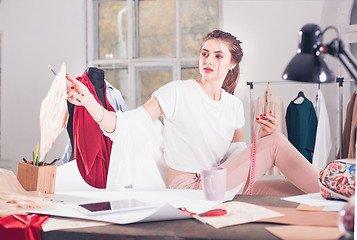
(352, 72)
(348, 55)
(337, 49)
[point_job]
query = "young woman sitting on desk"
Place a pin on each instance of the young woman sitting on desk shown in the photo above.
(204, 120)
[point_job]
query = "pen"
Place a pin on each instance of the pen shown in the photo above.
(54, 161)
(24, 159)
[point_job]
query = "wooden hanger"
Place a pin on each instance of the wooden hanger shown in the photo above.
(266, 94)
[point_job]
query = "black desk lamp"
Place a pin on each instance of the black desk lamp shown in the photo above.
(310, 65)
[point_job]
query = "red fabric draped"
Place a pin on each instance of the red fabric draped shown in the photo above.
(21, 227)
(91, 148)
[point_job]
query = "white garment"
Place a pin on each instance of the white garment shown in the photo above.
(323, 140)
(198, 130)
(137, 158)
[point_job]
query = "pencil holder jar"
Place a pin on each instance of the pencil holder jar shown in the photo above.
(37, 178)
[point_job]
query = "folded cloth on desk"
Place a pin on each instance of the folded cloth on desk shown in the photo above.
(27, 227)
(137, 153)
(15, 199)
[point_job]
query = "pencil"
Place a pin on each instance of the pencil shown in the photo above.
(56, 74)
(36, 157)
(52, 70)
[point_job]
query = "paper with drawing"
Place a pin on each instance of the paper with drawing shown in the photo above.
(239, 213)
(167, 200)
(54, 112)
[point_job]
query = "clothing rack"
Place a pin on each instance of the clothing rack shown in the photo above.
(339, 80)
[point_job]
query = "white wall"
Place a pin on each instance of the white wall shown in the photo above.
(41, 32)
(34, 34)
(269, 32)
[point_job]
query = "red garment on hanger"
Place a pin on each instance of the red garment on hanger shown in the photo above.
(91, 148)
(18, 227)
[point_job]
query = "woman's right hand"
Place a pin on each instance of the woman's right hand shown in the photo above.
(77, 93)
(268, 123)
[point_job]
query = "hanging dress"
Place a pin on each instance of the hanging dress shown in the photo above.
(301, 123)
(323, 142)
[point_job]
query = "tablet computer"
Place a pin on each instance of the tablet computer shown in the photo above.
(113, 206)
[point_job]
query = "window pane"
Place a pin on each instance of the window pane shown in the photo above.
(354, 13)
(0, 84)
(150, 81)
(113, 30)
(189, 73)
(119, 79)
(156, 29)
(353, 47)
(197, 18)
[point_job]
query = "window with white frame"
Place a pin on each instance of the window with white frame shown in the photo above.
(351, 36)
(0, 89)
(143, 44)
(353, 29)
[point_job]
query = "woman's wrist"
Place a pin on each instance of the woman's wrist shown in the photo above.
(88, 100)
(101, 119)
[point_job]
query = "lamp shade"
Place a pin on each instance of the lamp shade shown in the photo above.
(309, 65)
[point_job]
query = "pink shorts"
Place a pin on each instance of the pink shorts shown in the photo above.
(261, 187)
(186, 181)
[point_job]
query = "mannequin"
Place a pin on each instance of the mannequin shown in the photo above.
(88, 145)
(96, 77)
(91, 147)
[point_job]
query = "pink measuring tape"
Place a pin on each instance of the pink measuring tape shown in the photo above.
(252, 164)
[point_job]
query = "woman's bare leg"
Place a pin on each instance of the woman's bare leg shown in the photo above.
(274, 149)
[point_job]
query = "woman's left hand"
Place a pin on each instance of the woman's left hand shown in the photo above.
(77, 93)
(268, 124)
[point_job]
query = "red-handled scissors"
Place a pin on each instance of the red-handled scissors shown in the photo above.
(210, 213)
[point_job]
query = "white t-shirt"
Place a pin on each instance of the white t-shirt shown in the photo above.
(197, 130)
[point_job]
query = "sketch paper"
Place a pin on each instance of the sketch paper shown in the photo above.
(68, 178)
(168, 202)
(54, 112)
(71, 189)
(57, 223)
(292, 232)
(293, 216)
(314, 199)
(239, 213)
(161, 213)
